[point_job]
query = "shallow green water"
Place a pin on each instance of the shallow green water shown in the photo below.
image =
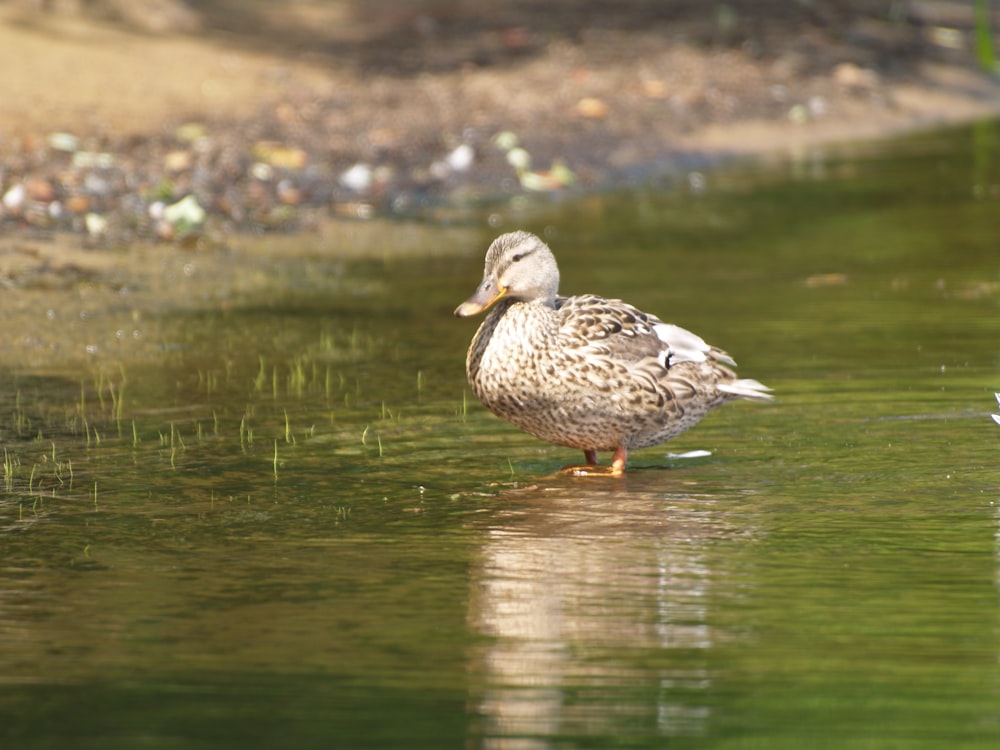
(293, 528)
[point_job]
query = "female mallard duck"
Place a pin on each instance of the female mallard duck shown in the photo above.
(586, 372)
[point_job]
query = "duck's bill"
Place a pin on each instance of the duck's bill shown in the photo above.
(487, 293)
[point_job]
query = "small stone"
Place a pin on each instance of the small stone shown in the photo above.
(185, 214)
(177, 161)
(798, 114)
(280, 156)
(286, 113)
(558, 177)
(78, 204)
(290, 158)
(439, 170)
(562, 174)
(505, 140)
(66, 142)
(288, 193)
(592, 108)
(515, 38)
(354, 210)
(13, 199)
(654, 88)
(261, 171)
(39, 189)
(537, 181)
(97, 185)
(37, 215)
(519, 158)
(850, 75)
(358, 178)
(31, 142)
(382, 174)
(93, 160)
(460, 160)
(155, 210)
(96, 224)
(190, 132)
(164, 230)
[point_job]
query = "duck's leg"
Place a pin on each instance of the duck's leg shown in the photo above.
(619, 459)
(591, 469)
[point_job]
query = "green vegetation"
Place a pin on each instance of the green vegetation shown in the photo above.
(113, 432)
(984, 44)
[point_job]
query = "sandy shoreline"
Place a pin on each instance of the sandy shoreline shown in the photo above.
(114, 136)
(107, 131)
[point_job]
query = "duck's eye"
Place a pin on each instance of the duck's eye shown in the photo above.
(517, 257)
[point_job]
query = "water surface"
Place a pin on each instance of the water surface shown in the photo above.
(274, 516)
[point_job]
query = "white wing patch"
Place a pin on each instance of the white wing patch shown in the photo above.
(682, 345)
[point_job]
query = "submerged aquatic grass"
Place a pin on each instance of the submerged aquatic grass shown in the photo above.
(172, 433)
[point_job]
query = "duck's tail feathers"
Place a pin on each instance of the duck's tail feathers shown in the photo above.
(747, 388)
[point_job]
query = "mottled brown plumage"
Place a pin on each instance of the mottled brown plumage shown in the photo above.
(586, 372)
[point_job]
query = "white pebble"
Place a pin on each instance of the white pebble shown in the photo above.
(13, 199)
(505, 140)
(461, 158)
(64, 142)
(93, 160)
(155, 210)
(261, 171)
(358, 178)
(96, 224)
(185, 211)
(519, 158)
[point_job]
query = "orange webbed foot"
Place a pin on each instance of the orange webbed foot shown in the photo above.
(592, 469)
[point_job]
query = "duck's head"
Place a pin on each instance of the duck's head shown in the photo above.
(518, 266)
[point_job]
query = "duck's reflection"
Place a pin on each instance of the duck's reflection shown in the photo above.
(596, 605)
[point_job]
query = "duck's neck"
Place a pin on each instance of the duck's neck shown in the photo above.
(509, 340)
(513, 325)
(533, 310)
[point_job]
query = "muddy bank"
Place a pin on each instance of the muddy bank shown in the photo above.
(214, 125)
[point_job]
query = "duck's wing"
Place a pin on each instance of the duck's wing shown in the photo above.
(612, 333)
(615, 329)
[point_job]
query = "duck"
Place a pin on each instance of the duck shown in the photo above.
(587, 372)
